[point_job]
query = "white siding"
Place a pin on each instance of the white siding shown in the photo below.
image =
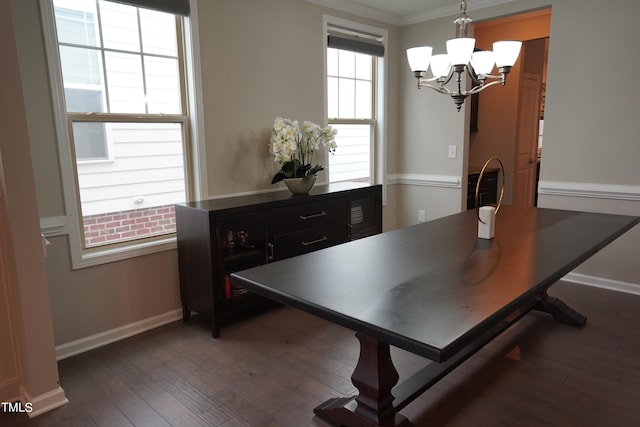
(351, 161)
(145, 169)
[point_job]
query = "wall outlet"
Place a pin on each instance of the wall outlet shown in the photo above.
(453, 151)
(422, 215)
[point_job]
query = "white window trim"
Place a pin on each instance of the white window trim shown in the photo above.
(195, 159)
(379, 151)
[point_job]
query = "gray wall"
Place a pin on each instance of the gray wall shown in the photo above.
(591, 150)
(255, 66)
(268, 62)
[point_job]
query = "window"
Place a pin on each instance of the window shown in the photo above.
(353, 62)
(122, 77)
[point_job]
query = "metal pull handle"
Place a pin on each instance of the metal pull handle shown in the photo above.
(271, 256)
(313, 242)
(303, 217)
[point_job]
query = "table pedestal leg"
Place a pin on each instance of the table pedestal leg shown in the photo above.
(560, 311)
(374, 377)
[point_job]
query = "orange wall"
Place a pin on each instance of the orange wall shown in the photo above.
(497, 112)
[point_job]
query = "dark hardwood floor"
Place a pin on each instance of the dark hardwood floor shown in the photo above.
(272, 370)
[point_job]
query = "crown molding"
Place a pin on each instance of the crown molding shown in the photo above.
(443, 12)
(400, 20)
(360, 10)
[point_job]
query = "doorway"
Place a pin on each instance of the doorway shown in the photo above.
(510, 117)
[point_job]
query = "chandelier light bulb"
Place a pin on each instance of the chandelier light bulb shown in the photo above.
(419, 58)
(440, 65)
(506, 52)
(460, 50)
(482, 62)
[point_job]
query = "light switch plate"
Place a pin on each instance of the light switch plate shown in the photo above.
(453, 151)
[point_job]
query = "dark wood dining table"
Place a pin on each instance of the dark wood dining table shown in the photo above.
(434, 289)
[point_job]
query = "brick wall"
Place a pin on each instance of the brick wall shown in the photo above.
(128, 225)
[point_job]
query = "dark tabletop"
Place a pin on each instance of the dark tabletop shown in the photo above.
(431, 286)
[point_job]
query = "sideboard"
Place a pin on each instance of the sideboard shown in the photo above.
(217, 237)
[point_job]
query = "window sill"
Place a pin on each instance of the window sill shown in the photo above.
(98, 256)
(57, 226)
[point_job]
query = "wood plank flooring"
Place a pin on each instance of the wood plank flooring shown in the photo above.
(273, 369)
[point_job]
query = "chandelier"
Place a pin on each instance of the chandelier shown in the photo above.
(460, 59)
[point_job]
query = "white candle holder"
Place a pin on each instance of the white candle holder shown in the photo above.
(487, 214)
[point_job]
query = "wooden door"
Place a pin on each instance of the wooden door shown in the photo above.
(526, 153)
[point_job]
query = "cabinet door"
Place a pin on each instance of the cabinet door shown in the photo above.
(364, 216)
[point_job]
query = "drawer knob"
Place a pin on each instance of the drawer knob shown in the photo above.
(303, 217)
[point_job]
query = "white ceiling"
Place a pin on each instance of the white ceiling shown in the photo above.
(405, 12)
(407, 7)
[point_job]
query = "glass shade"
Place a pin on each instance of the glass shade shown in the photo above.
(460, 50)
(440, 65)
(482, 62)
(419, 57)
(506, 52)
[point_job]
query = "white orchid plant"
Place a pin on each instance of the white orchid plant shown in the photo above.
(293, 148)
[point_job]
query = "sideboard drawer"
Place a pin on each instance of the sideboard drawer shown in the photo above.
(300, 242)
(308, 215)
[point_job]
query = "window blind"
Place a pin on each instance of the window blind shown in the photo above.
(175, 7)
(355, 41)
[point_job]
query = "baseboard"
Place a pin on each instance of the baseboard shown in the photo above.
(599, 282)
(103, 338)
(44, 402)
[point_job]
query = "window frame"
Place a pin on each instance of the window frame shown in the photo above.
(193, 130)
(378, 147)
